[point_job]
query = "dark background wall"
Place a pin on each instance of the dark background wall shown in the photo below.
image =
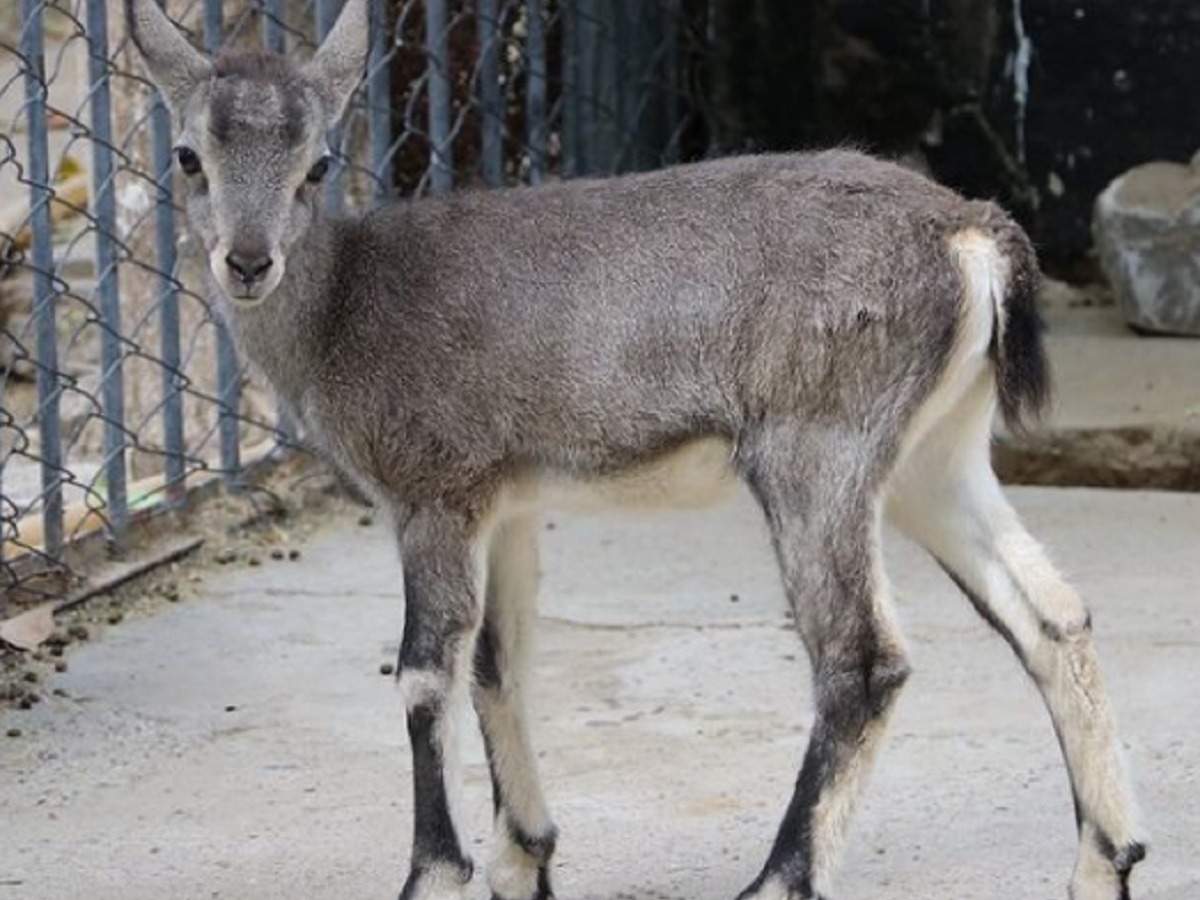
(1108, 84)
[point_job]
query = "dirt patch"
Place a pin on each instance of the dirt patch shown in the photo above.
(1157, 458)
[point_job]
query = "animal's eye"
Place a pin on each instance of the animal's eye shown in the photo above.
(188, 160)
(318, 171)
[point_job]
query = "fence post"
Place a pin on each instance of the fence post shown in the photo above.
(441, 159)
(379, 101)
(570, 89)
(327, 13)
(272, 26)
(213, 25)
(164, 248)
(491, 107)
(535, 90)
(44, 293)
(111, 350)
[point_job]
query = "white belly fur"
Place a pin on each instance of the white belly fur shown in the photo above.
(693, 476)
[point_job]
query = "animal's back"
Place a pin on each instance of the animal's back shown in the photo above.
(589, 326)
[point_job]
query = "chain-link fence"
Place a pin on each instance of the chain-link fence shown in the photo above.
(120, 389)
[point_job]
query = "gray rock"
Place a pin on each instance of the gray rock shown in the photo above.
(1147, 230)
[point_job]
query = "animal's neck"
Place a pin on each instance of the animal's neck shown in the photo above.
(280, 336)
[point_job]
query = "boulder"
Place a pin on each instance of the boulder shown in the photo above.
(1147, 229)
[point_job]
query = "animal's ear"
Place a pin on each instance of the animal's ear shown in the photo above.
(338, 65)
(175, 66)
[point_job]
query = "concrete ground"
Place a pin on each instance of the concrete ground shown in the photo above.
(242, 744)
(1106, 376)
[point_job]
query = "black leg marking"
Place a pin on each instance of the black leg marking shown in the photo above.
(540, 847)
(441, 611)
(488, 677)
(849, 703)
(497, 793)
(985, 612)
(488, 665)
(1129, 856)
(824, 522)
(1050, 630)
(1123, 859)
(435, 841)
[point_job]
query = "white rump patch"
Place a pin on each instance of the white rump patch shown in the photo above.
(985, 273)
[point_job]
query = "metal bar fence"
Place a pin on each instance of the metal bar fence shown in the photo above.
(113, 393)
(169, 346)
(120, 385)
(44, 290)
(535, 90)
(441, 169)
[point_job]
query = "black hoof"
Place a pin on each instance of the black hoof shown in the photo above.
(466, 871)
(793, 894)
(1129, 856)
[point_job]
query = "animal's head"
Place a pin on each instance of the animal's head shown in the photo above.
(250, 138)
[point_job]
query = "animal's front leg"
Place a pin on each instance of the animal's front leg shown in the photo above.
(525, 836)
(442, 614)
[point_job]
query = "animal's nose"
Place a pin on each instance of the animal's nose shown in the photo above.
(248, 267)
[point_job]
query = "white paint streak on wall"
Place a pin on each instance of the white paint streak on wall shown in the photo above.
(1021, 76)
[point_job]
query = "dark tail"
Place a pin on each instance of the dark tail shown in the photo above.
(1018, 351)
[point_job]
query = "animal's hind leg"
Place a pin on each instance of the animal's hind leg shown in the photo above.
(824, 521)
(948, 499)
(524, 834)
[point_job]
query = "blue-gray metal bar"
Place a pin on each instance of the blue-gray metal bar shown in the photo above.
(327, 13)
(168, 301)
(379, 101)
(213, 25)
(535, 90)
(44, 297)
(229, 373)
(274, 37)
(491, 105)
(441, 161)
(112, 385)
(570, 88)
